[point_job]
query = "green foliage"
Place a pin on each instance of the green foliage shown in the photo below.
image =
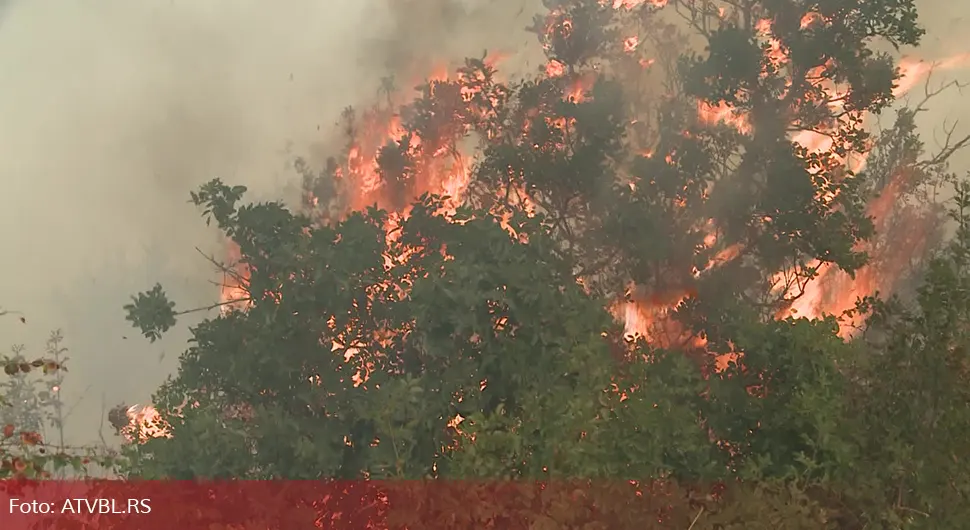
(913, 401)
(219, 201)
(475, 305)
(475, 342)
(152, 312)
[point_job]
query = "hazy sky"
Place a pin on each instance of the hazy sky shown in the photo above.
(111, 111)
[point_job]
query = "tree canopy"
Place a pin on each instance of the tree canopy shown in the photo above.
(591, 274)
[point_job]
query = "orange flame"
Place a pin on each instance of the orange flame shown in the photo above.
(233, 292)
(441, 170)
(144, 422)
(913, 71)
(722, 113)
(832, 291)
(631, 4)
(630, 43)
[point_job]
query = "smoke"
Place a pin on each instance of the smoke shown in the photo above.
(945, 39)
(112, 111)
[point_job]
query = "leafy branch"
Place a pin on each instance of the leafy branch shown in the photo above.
(154, 314)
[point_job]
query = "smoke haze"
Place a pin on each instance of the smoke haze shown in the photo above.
(112, 111)
(946, 24)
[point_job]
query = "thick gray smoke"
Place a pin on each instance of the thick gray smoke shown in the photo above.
(111, 111)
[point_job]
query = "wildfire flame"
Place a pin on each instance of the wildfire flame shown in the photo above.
(831, 292)
(441, 168)
(144, 422)
(834, 292)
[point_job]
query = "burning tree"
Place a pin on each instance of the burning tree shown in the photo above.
(599, 271)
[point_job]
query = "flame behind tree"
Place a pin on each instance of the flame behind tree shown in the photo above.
(698, 198)
(646, 196)
(752, 195)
